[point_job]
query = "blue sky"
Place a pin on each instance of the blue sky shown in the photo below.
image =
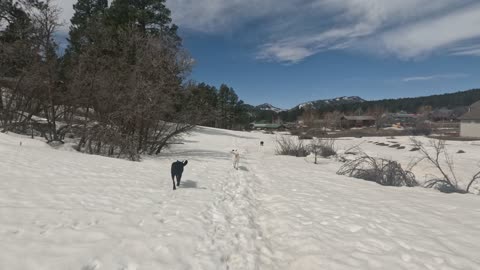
(285, 52)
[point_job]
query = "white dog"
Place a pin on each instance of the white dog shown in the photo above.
(236, 158)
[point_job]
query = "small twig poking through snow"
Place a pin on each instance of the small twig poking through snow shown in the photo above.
(355, 148)
(474, 179)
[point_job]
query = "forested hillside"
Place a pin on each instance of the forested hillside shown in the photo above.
(120, 88)
(410, 105)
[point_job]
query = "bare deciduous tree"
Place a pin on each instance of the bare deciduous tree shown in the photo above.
(443, 162)
(448, 179)
(378, 113)
(333, 120)
(129, 83)
(45, 16)
(29, 67)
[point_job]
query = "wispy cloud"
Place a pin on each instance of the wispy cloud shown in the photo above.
(436, 77)
(432, 34)
(296, 29)
(468, 50)
(290, 31)
(213, 16)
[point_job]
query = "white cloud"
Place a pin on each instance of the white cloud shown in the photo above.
(296, 29)
(467, 50)
(436, 77)
(292, 30)
(333, 39)
(435, 33)
(287, 54)
(66, 7)
(223, 15)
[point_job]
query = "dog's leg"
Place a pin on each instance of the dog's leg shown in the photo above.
(179, 178)
(173, 180)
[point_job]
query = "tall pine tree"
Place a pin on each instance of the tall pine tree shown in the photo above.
(150, 16)
(85, 12)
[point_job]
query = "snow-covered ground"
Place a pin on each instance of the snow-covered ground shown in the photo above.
(466, 164)
(65, 210)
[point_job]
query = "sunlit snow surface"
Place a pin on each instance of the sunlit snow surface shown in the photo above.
(65, 210)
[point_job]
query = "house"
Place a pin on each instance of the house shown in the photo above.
(265, 126)
(357, 121)
(401, 119)
(470, 122)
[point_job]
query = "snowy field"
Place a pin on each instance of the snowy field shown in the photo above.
(64, 210)
(466, 164)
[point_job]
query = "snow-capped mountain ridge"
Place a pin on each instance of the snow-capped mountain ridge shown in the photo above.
(331, 102)
(316, 104)
(269, 107)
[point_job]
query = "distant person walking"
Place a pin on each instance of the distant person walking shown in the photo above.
(177, 171)
(261, 143)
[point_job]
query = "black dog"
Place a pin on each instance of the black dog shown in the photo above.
(177, 170)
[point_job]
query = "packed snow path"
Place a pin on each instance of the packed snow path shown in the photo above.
(64, 210)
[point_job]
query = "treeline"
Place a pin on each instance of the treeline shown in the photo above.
(220, 108)
(120, 86)
(409, 105)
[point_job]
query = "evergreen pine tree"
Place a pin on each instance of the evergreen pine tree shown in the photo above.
(85, 12)
(150, 16)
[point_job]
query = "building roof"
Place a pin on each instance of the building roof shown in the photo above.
(475, 105)
(473, 114)
(272, 126)
(359, 118)
(404, 115)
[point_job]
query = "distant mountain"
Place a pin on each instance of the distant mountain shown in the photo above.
(452, 101)
(268, 107)
(322, 103)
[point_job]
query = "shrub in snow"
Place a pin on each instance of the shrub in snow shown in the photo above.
(305, 137)
(289, 146)
(382, 171)
(439, 157)
(316, 132)
(295, 132)
(327, 147)
(324, 147)
(461, 152)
